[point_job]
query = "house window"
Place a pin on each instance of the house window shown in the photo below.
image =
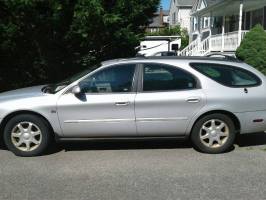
(243, 20)
(257, 17)
(194, 37)
(205, 34)
(206, 22)
(173, 18)
(264, 17)
(233, 23)
(195, 24)
(247, 22)
(217, 25)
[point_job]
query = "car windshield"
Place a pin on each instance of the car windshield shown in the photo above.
(56, 87)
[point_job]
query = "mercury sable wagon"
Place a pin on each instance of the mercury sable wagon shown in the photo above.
(206, 100)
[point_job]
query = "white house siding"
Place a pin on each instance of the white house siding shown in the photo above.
(172, 14)
(184, 18)
(179, 13)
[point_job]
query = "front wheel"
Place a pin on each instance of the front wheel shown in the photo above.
(213, 133)
(27, 135)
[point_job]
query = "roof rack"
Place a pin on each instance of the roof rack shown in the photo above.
(213, 57)
(224, 58)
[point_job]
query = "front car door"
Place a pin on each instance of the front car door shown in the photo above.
(105, 106)
(167, 99)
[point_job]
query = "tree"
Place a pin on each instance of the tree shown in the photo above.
(177, 30)
(46, 40)
(253, 48)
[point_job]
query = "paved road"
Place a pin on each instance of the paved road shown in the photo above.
(137, 170)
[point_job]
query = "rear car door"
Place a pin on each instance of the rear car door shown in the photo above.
(167, 99)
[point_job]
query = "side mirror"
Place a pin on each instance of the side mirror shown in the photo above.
(76, 90)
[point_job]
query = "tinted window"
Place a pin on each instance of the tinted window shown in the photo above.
(112, 79)
(227, 75)
(158, 77)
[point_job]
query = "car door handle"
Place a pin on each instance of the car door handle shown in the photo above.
(122, 103)
(193, 100)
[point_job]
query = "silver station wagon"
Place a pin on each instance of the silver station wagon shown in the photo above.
(207, 100)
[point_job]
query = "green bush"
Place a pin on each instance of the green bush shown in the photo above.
(253, 48)
(45, 41)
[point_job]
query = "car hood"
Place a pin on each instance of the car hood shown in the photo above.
(28, 92)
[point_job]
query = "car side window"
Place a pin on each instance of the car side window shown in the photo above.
(160, 77)
(117, 78)
(227, 75)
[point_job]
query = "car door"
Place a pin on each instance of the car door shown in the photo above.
(105, 106)
(167, 99)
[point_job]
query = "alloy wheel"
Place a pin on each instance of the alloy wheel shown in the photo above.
(214, 133)
(26, 136)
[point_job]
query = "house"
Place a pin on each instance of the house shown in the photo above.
(159, 21)
(220, 25)
(179, 13)
(204, 21)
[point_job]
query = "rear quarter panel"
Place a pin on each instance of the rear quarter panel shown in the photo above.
(245, 106)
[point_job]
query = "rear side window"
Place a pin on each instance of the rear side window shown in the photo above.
(227, 75)
(160, 77)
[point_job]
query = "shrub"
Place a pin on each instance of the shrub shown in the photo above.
(253, 48)
(45, 41)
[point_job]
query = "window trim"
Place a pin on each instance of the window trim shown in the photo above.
(229, 66)
(134, 79)
(140, 81)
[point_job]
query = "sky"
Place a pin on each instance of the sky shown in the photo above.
(165, 4)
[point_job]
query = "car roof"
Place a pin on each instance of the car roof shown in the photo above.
(172, 60)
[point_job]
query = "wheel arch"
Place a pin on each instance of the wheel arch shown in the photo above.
(10, 115)
(227, 113)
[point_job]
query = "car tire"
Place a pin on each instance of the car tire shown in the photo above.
(27, 135)
(213, 134)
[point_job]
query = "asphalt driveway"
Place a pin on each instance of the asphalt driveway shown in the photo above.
(137, 170)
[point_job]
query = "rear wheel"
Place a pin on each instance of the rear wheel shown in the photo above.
(213, 133)
(27, 135)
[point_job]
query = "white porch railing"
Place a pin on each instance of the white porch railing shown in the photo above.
(197, 48)
(191, 49)
(228, 42)
(204, 47)
(216, 43)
